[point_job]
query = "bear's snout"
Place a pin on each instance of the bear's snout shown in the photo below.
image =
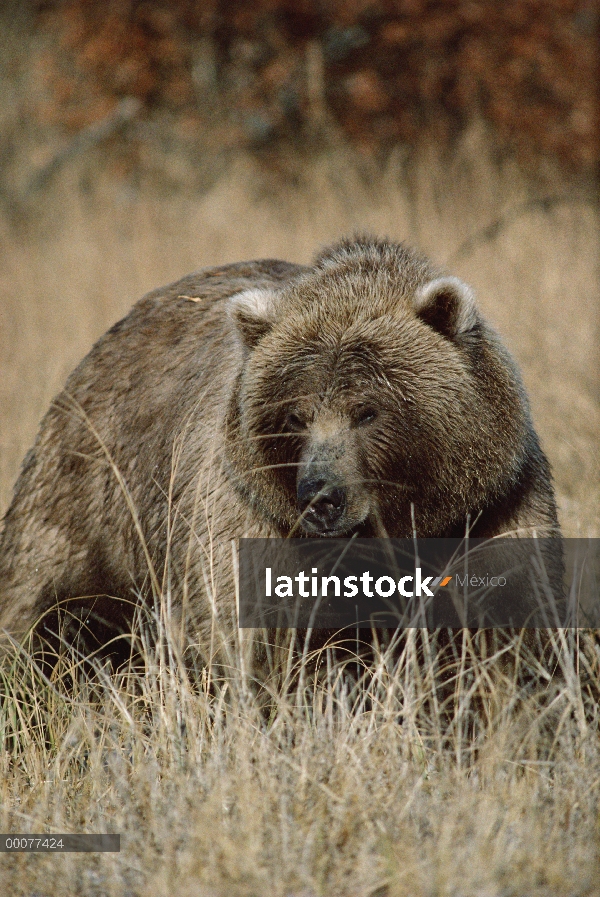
(321, 504)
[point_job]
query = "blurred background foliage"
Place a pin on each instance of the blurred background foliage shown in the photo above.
(272, 76)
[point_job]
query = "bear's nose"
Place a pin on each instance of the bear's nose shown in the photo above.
(320, 503)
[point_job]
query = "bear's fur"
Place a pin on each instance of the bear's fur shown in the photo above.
(363, 394)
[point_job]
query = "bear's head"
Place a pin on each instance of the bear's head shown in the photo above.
(372, 399)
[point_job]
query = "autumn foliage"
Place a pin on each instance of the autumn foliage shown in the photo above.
(382, 71)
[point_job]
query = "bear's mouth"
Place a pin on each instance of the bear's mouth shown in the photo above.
(342, 530)
(328, 508)
(311, 529)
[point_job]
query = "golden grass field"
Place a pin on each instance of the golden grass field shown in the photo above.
(485, 785)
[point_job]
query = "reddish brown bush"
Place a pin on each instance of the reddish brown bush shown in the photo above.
(385, 70)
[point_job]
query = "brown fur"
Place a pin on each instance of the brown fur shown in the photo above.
(365, 391)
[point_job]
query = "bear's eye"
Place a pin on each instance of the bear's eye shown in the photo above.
(365, 415)
(294, 423)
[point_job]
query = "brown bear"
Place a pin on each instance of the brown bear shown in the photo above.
(361, 395)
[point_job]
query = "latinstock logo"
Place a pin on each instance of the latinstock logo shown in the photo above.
(432, 583)
(384, 586)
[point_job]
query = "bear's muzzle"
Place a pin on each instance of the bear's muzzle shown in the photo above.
(321, 504)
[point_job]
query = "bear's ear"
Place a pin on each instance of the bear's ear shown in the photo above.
(253, 312)
(448, 305)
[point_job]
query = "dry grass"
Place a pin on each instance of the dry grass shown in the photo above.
(412, 783)
(408, 783)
